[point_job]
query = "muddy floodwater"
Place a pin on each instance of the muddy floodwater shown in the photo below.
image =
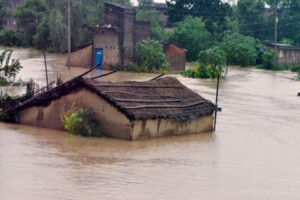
(254, 153)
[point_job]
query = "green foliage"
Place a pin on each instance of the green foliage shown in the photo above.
(295, 68)
(192, 35)
(197, 71)
(251, 15)
(82, 122)
(10, 38)
(4, 14)
(9, 68)
(239, 49)
(212, 12)
(287, 41)
(44, 22)
(151, 57)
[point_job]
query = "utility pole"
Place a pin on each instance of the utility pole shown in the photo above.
(275, 29)
(69, 34)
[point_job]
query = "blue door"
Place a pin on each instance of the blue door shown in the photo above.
(98, 55)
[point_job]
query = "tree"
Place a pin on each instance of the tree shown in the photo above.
(9, 68)
(192, 35)
(214, 59)
(151, 57)
(4, 6)
(239, 49)
(213, 12)
(28, 16)
(252, 20)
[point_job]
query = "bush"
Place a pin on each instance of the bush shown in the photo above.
(10, 38)
(295, 68)
(199, 71)
(151, 57)
(82, 122)
(9, 68)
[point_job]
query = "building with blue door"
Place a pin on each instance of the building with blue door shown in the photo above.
(113, 42)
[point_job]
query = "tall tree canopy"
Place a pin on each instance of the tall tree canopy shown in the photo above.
(49, 17)
(192, 35)
(4, 5)
(213, 12)
(252, 20)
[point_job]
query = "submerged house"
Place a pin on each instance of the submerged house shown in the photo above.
(175, 55)
(115, 40)
(286, 54)
(127, 110)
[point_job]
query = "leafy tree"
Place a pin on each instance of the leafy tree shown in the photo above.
(28, 16)
(252, 20)
(214, 59)
(4, 5)
(151, 57)
(213, 12)
(9, 68)
(192, 35)
(239, 49)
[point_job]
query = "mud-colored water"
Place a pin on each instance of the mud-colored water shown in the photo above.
(254, 154)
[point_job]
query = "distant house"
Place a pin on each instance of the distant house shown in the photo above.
(114, 42)
(11, 22)
(175, 56)
(127, 110)
(286, 54)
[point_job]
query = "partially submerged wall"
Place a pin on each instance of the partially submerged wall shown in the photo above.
(82, 57)
(115, 124)
(170, 127)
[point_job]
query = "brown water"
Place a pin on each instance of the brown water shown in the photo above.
(254, 154)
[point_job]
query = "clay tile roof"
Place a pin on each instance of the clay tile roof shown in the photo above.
(162, 98)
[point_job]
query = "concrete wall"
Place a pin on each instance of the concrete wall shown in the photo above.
(82, 57)
(115, 123)
(169, 127)
(108, 40)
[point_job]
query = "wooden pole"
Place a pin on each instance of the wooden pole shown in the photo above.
(275, 29)
(216, 106)
(46, 68)
(69, 34)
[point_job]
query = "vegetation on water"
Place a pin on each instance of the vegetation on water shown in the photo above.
(79, 121)
(9, 68)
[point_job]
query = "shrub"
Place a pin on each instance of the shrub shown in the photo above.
(9, 68)
(84, 122)
(151, 57)
(198, 71)
(10, 38)
(295, 68)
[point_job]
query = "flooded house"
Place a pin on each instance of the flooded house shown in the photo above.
(115, 40)
(286, 54)
(128, 110)
(175, 55)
